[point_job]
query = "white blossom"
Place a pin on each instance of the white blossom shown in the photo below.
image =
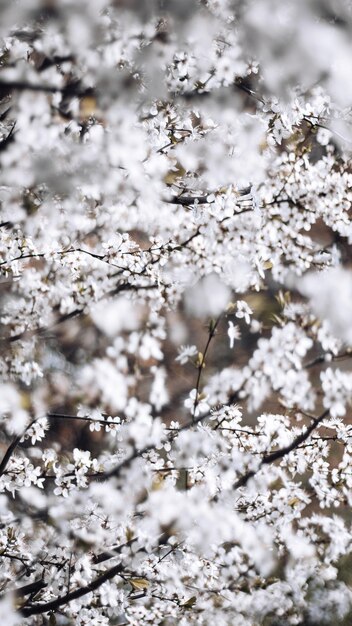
(243, 311)
(174, 177)
(233, 332)
(185, 353)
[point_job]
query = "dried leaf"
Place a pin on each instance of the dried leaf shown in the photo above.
(189, 603)
(139, 583)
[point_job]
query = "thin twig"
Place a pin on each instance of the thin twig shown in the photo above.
(201, 361)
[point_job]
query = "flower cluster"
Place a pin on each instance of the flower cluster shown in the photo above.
(175, 324)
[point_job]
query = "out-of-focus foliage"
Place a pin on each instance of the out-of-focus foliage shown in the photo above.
(175, 326)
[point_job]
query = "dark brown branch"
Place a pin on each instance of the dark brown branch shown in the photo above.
(113, 552)
(138, 453)
(34, 587)
(82, 418)
(282, 452)
(12, 447)
(8, 139)
(8, 454)
(203, 92)
(72, 89)
(321, 359)
(41, 330)
(188, 200)
(44, 607)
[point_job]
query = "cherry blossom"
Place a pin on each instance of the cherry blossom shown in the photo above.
(175, 177)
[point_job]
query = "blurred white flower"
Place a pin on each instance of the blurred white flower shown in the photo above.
(244, 311)
(185, 353)
(197, 403)
(330, 295)
(208, 298)
(233, 333)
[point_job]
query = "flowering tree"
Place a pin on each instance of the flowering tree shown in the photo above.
(176, 305)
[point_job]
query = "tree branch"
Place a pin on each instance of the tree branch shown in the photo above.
(72, 89)
(44, 607)
(201, 361)
(282, 452)
(7, 456)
